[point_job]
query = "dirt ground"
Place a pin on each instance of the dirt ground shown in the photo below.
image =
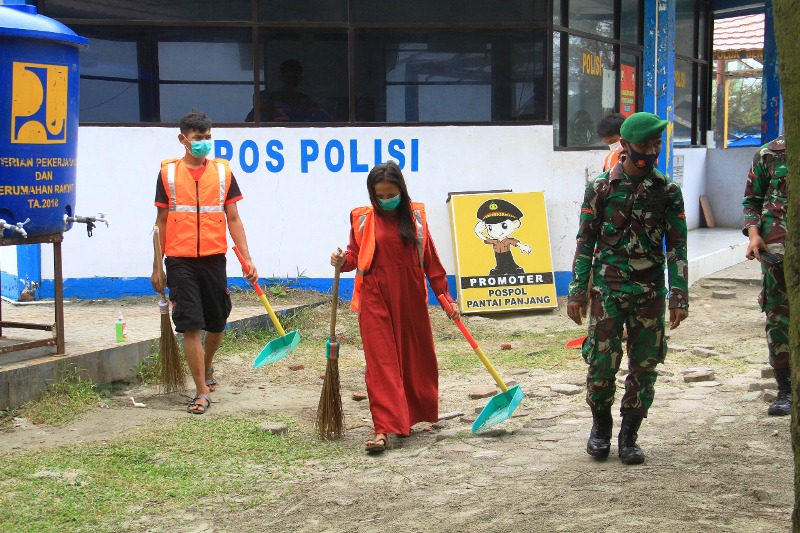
(715, 460)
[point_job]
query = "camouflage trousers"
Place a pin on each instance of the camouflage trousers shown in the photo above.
(643, 316)
(775, 303)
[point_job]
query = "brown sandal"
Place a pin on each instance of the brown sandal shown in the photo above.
(378, 444)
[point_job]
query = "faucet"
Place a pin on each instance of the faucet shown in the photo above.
(17, 228)
(89, 221)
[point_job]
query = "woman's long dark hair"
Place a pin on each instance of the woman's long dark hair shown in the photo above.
(390, 172)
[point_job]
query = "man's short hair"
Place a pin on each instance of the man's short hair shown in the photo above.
(195, 121)
(609, 125)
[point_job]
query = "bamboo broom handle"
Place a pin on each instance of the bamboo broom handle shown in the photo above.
(335, 301)
(158, 256)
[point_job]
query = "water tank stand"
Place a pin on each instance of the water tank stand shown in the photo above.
(58, 327)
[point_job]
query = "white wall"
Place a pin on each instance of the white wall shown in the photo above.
(693, 182)
(727, 175)
(294, 219)
(8, 270)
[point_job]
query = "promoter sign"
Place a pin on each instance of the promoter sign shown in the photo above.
(502, 251)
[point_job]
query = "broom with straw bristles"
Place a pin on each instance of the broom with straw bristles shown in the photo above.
(173, 378)
(330, 419)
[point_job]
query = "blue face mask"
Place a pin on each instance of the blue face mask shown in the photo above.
(390, 204)
(200, 149)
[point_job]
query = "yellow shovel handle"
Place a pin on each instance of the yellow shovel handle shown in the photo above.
(447, 306)
(261, 296)
(490, 368)
(271, 313)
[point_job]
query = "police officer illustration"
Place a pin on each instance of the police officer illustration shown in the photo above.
(497, 220)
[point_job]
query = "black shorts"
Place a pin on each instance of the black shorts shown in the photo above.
(198, 289)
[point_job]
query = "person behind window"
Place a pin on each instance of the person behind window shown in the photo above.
(196, 206)
(288, 104)
(608, 131)
(580, 128)
(392, 252)
(765, 200)
(626, 215)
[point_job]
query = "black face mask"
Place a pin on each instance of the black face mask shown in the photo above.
(644, 162)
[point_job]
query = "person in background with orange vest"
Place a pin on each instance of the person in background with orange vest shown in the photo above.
(608, 130)
(196, 200)
(392, 252)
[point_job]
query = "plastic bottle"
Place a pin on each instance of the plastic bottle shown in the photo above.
(122, 329)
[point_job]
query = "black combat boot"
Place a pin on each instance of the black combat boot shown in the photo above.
(599, 442)
(782, 405)
(629, 451)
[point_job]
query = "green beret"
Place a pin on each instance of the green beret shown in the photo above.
(641, 127)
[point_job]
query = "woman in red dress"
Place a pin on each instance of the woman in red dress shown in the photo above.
(392, 252)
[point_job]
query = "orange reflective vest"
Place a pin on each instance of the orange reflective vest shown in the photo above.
(611, 159)
(196, 223)
(362, 220)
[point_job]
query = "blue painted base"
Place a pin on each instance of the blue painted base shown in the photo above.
(9, 286)
(94, 288)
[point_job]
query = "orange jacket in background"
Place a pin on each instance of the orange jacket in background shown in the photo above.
(611, 159)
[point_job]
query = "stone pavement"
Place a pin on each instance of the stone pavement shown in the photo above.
(744, 272)
(89, 325)
(90, 340)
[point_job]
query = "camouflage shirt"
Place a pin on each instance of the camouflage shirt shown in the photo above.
(765, 199)
(622, 227)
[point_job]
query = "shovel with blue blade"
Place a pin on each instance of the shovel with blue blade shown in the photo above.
(501, 406)
(276, 348)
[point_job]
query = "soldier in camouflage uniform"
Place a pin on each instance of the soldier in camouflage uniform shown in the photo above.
(626, 215)
(765, 208)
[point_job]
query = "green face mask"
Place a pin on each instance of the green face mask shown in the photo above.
(390, 204)
(200, 149)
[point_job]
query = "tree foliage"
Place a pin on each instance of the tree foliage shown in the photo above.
(744, 106)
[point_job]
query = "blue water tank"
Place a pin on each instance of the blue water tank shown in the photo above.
(39, 85)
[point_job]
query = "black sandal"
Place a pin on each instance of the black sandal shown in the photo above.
(195, 403)
(211, 383)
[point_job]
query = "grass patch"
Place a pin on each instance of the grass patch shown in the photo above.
(175, 466)
(65, 400)
(7, 418)
(306, 320)
(148, 370)
(245, 340)
(529, 350)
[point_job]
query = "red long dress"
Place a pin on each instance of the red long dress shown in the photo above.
(402, 375)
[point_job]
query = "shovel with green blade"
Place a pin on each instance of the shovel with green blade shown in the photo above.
(276, 348)
(501, 406)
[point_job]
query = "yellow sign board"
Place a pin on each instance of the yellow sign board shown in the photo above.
(502, 251)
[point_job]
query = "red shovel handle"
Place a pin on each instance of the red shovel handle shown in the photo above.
(448, 308)
(244, 267)
(485, 360)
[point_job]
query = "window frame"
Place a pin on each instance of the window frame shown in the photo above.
(256, 28)
(634, 49)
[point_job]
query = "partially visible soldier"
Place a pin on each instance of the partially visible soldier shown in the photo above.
(765, 205)
(626, 215)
